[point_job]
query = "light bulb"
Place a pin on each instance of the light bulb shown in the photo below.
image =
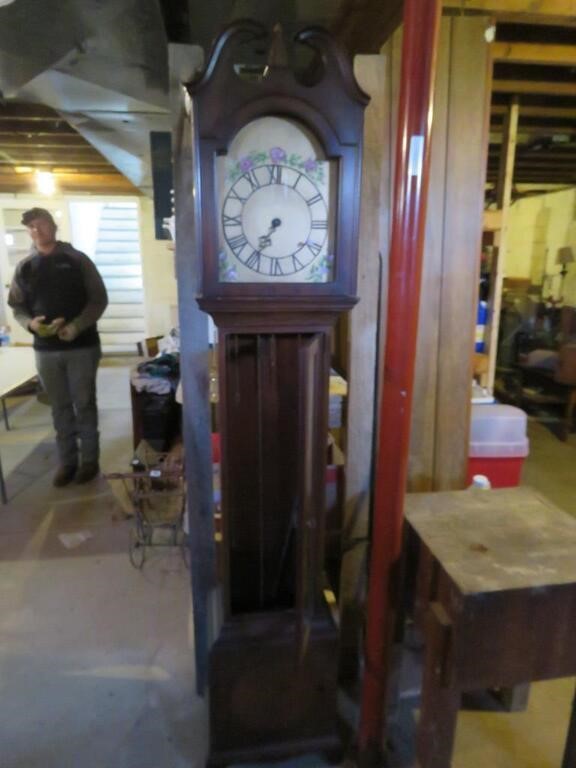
(45, 182)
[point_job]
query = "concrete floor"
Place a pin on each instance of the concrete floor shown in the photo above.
(96, 658)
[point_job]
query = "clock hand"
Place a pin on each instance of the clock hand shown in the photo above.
(264, 241)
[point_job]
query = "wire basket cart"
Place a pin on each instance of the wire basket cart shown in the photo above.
(156, 488)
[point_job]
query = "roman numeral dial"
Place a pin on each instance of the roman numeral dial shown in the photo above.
(275, 221)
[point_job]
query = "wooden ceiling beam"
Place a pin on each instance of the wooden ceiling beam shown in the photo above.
(28, 110)
(52, 165)
(543, 157)
(545, 167)
(523, 142)
(14, 125)
(529, 111)
(534, 86)
(534, 180)
(14, 140)
(537, 20)
(100, 183)
(34, 154)
(532, 53)
(558, 9)
(552, 170)
(544, 129)
(46, 151)
(32, 120)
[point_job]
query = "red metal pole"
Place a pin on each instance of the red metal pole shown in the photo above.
(420, 42)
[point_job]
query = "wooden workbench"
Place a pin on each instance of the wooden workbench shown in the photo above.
(496, 599)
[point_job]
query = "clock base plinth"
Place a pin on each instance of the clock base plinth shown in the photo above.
(271, 697)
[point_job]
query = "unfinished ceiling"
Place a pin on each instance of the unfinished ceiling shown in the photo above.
(102, 66)
(85, 81)
(536, 64)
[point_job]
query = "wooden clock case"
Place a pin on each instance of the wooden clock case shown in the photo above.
(273, 667)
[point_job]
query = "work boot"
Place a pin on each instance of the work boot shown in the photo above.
(87, 472)
(64, 475)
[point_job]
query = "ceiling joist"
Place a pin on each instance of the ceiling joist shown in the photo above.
(544, 112)
(19, 140)
(532, 53)
(557, 9)
(96, 183)
(529, 131)
(534, 86)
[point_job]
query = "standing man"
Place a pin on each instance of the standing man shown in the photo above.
(58, 295)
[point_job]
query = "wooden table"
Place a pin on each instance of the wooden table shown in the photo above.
(17, 367)
(496, 599)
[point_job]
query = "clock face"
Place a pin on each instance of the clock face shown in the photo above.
(276, 212)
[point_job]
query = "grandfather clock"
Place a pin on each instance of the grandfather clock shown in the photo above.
(277, 172)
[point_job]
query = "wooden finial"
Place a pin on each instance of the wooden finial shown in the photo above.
(278, 55)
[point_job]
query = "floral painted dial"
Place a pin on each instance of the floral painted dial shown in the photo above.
(277, 201)
(275, 219)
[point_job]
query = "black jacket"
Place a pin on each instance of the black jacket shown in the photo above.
(64, 283)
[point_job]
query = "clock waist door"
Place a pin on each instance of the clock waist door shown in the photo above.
(274, 396)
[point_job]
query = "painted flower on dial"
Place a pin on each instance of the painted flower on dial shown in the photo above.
(321, 272)
(246, 163)
(277, 155)
(227, 272)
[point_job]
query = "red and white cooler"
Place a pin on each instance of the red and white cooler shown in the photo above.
(498, 444)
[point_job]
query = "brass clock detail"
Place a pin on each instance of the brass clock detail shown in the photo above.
(277, 157)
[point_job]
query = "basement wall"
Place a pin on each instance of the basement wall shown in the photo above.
(537, 227)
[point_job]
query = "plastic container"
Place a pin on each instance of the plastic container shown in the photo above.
(481, 320)
(498, 444)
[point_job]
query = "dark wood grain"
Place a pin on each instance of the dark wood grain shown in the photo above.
(273, 667)
(331, 108)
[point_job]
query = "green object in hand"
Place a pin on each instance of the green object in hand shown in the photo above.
(45, 330)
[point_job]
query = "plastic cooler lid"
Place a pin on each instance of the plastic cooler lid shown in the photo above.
(498, 431)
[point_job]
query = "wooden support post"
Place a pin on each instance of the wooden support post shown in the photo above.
(194, 363)
(503, 199)
(441, 401)
(421, 25)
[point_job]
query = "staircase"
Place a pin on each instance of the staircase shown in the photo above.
(117, 257)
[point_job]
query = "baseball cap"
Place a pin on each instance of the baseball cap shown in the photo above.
(37, 213)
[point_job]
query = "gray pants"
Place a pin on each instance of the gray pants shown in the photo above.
(69, 378)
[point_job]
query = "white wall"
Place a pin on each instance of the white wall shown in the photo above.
(84, 223)
(158, 275)
(537, 227)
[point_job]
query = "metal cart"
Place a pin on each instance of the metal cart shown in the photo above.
(156, 488)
